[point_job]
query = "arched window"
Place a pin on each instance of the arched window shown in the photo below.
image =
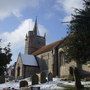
(62, 58)
(18, 71)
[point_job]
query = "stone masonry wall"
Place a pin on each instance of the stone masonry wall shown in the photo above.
(19, 64)
(47, 56)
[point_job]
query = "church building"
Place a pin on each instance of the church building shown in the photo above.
(39, 57)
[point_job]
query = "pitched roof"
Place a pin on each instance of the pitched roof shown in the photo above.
(47, 47)
(28, 59)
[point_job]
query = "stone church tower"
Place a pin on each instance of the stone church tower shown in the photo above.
(33, 41)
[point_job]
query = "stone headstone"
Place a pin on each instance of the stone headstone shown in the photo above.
(35, 88)
(50, 77)
(25, 88)
(34, 79)
(23, 84)
(43, 77)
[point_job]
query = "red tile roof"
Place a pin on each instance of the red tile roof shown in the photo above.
(47, 47)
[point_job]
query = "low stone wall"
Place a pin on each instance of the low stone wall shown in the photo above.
(30, 88)
(25, 88)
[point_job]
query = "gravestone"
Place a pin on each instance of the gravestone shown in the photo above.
(34, 79)
(43, 77)
(35, 88)
(23, 84)
(50, 77)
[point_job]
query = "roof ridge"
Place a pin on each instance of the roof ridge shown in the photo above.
(47, 48)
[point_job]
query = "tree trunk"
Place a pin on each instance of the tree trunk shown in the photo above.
(78, 84)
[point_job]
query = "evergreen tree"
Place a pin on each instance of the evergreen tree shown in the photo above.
(5, 58)
(78, 40)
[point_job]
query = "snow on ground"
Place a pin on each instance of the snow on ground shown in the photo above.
(13, 84)
(51, 85)
(56, 84)
(48, 86)
(86, 84)
(9, 84)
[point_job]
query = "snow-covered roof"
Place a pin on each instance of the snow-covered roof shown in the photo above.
(29, 60)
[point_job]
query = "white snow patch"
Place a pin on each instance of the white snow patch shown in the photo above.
(9, 84)
(29, 60)
(56, 84)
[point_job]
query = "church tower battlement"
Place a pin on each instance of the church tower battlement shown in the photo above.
(33, 41)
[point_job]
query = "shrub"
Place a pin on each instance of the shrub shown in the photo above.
(2, 79)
